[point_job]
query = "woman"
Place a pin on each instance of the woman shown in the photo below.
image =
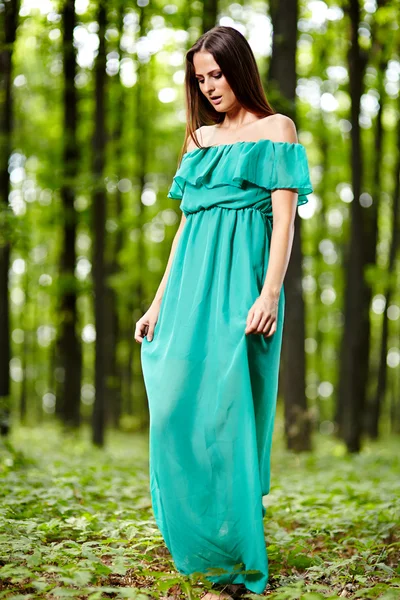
(211, 339)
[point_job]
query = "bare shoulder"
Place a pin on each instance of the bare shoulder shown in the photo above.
(279, 128)
(190, 145)
(202, 135)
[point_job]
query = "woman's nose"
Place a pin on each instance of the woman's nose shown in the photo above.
(208, 87)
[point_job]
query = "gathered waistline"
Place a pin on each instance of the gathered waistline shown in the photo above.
(202, 209)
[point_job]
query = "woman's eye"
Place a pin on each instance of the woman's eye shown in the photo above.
(215, 77)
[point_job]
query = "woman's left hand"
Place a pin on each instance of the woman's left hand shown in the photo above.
(262, 316)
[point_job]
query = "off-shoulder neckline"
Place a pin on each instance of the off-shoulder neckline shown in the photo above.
(254, 142)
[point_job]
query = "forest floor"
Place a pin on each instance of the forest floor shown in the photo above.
(76, 521)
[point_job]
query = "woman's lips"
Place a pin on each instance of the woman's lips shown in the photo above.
(217, 100)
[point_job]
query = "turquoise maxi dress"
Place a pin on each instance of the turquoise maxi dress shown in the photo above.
(211, 388)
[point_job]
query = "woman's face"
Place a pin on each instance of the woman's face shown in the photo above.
(212, 82)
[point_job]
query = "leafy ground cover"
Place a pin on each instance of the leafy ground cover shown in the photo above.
(76, 521)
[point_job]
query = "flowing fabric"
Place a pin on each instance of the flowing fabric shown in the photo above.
(211, 388)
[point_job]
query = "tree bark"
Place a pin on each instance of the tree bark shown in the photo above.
(8, 31)
(69, 349)
(282, 79)
(355, 340)
(137, 307)
(381, 387)
(99, 228)
(374, 405)
(210, 11)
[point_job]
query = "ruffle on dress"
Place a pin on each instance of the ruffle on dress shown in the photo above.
(263, 163)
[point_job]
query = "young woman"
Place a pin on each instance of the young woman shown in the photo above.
(211, 339)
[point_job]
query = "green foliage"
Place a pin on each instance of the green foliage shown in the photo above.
(145, 131)
(77, 521)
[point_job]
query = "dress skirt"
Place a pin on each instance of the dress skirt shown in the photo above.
(211, 388)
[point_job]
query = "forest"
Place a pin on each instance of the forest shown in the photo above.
(92, 121)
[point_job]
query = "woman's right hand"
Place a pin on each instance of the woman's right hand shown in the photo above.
(146, 324)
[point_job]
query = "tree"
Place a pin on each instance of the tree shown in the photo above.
(8, 30)
(282, 78)
(69, 347)
(99, 227)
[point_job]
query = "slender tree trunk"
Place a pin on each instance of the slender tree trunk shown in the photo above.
(282, 77)
(68, 343)
(99, 228)
(136, 308)
(374, 405)
(117, 370)
(23, 399)
(114, 376)
(8, 31)
(355, 340)
(394, 391)
(394, 247)
(323, 341)
(210, 11)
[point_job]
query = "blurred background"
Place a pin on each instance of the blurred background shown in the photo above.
(92, 120)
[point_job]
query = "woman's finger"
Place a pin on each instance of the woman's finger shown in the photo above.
(150, 332)
(263, 322)
(253, 322)
(249, 319)
(140, 331)
(272, 329)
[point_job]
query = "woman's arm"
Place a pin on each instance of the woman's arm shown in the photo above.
(284, 206)
(160, 291)
(263, 314)
(146, 324)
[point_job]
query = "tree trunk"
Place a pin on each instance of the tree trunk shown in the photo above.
(282, 78)
(8, 31)
(136, 308)
(99, 227)
(24, 392)
(355, 340)
(113, 375)
(68, 343)
(210, 11)
(374, 405)
(394, 246)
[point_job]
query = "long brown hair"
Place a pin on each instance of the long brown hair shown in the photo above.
(235, 58)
